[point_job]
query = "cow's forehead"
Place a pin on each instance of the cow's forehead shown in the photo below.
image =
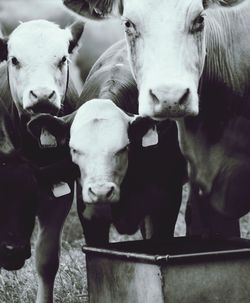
(96, 136)
(97, 109)
(166, 7)
(99, 126)
(37, 38)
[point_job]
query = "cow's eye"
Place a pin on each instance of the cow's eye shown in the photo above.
(198, 24)
(14, 61)
(62, 61)
(77, 152)
(74, 151)
(129, 27)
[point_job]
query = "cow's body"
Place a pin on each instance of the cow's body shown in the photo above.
(18, 191)
(51, 69)
(153, 182)
(217, 57)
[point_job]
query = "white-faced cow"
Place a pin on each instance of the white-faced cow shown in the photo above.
(174, 48)
(118, 166)
(36, 79)
(39, 75)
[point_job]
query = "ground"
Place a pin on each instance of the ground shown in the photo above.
(71, 282)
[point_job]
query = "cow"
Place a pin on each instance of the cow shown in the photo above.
(125, 175)
(36, 79)
(200, 47)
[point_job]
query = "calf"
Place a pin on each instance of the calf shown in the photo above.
(109, 143)
(36, 79)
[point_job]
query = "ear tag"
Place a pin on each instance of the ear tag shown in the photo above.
(47, 140)
(150, 138)
(61, 189)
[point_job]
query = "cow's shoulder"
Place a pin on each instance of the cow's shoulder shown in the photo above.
(117, 53)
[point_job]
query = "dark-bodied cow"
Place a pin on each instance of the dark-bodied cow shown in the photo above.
(118, 166)
(174, 48)
(18, 192)
(36, 79)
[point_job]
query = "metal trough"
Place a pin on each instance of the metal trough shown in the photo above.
(181, 270)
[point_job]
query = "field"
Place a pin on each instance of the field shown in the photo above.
(71, 282)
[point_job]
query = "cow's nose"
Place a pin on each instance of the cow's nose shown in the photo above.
(169, 98)
(42, 93)
(102, 193)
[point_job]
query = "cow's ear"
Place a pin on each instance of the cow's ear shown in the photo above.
(95, 9)
(3, 49)
(142, 130)
(50, 131)
(76, 30)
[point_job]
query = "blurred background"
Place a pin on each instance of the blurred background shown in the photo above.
(97, 37)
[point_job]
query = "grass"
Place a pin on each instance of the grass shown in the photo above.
(71, 281)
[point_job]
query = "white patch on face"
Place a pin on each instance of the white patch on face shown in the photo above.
(38, 48)
(166, 57)
(98, 143)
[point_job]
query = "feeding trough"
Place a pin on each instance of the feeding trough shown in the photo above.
(181, 270)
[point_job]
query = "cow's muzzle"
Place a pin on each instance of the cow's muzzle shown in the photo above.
(169, 101)
(43, 106)
(102, 193)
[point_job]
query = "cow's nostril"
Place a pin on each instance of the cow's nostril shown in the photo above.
(91, 192)
(33, 94)
(110, 192)
(184, 97)
(154, 97)
(52, 94)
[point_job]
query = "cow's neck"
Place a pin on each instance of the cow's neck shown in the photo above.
(209, 139)
(204, 160)
(228, 42)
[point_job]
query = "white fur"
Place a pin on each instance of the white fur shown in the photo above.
(98, 133)
(165, 55)
(39, 46)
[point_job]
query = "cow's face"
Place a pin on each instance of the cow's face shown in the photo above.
(99, 143)
(18, 203)
(38, 54)
(166, 49)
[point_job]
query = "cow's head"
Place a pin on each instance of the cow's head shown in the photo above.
(38, 54)
(99, 142)
(166, 43)
(100, 136)
(18, 205)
